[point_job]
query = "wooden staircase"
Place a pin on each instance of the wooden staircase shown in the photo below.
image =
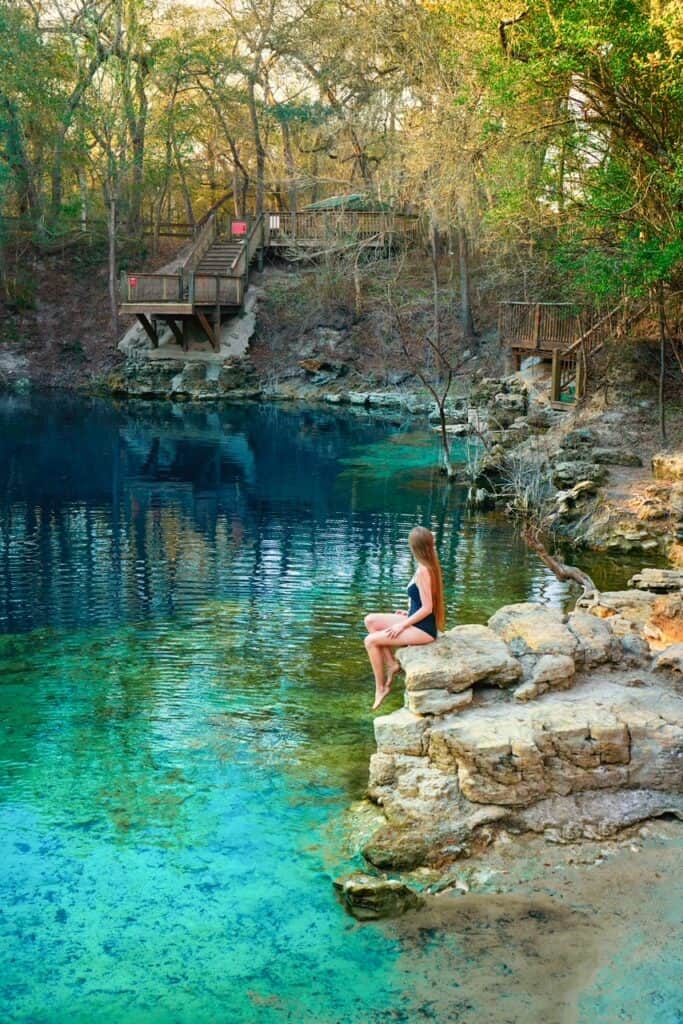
(557, 331)
(219, 258)
(570, 368)
(212, 280)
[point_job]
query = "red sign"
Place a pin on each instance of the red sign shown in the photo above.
(132, 281)
(239, 227)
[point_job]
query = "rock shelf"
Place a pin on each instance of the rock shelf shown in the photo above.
(538, 722)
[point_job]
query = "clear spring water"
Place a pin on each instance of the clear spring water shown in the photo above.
(184, 704)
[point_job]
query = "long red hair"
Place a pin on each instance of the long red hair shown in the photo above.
(422, 545)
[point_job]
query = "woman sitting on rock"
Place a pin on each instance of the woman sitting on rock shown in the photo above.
(416, 626)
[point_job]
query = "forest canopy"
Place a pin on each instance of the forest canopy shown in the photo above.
(549, 132)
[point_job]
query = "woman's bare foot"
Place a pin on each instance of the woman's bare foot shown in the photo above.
(393, 670)
(380, 694)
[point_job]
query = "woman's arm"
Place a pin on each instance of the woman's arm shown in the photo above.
(424, 585)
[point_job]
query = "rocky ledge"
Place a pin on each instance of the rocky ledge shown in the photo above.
(565, 725)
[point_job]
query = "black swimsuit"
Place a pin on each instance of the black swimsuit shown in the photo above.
(428, 624)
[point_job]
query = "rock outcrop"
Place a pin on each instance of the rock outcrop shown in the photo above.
(537, 722)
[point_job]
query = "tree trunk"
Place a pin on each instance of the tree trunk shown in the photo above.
(258, 146)
(466, 319)
(662, 360)
(291, 169)
(187, 199)
(111, 232)
(137, 125)
(434, 253)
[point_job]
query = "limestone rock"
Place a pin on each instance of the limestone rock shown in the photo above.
(662, 580)
(670, 660)
(515, 756)
(368, 898)
(437, 702)
(616, 457)
(528, 691)
(667, 466)
(554, 670)
(402, 732)
(566, 474)
(635, 650)
(581, 438)
(459, 658)
(596, 642)
(634, 606)
(531, 628)
(595, 814)
(382, 774)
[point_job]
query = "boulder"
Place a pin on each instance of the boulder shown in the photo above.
(368, 898)
(581, 438)
(661, 580)
(635, 650)
(667, 466)
(554, 670)
(635, 606)
(670, 660)
(616, 457)
(402, 732)
(566, 474)
(531, 628)
(459, 658)
(437, 702)
(596, 644)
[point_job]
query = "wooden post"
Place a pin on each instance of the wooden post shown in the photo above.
(190, 288)
(150, 330)
(206, 326)
(580, 373)
(537, 324)
(177, 333)
(555, 387)
(123, 287)
(217, 312)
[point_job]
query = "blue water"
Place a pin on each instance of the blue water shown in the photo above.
(184, 702)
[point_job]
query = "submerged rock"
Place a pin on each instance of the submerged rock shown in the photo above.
(368, 898)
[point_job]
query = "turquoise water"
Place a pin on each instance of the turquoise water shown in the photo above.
(184, 703)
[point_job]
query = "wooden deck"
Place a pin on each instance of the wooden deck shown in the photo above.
(559, 332)
(228, 249)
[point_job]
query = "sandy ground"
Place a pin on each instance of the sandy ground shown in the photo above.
(546, 934)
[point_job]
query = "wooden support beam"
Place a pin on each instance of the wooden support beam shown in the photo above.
(150, 330)
(177, 333)
(217, 311)
(208, 331)
(556, 388)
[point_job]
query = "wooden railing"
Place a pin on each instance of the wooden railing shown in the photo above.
(570, 367)
(151, 287)
(255, 240)
(215, 290)
(323, 225)
(202, 243)
(538, 325)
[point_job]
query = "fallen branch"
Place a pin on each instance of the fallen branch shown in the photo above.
(560, 569)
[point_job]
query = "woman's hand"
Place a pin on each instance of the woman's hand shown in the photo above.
(394, 631)
(400, 611)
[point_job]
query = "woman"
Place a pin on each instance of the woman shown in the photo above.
(416, 626)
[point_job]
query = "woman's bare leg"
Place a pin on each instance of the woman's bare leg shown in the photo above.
(376, 642)
(374, 623)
